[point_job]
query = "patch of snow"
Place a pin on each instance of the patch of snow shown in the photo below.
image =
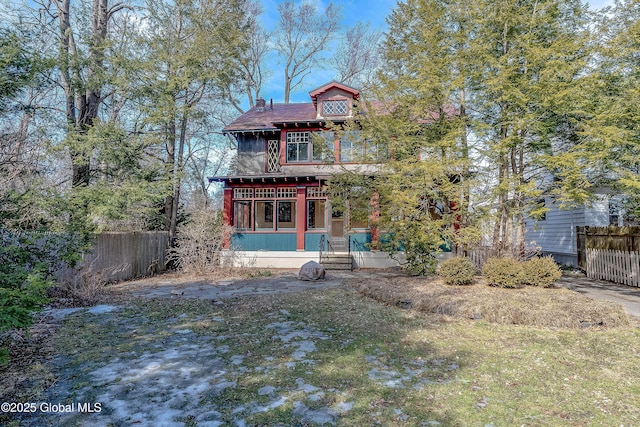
(342, 407)
(266, 390)
(59, 313)
(320, 416)
(307, 388)
(271, 405)
(316, 397)
(237, 360)
(103, 308)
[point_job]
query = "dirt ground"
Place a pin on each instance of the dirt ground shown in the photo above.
(160, 372)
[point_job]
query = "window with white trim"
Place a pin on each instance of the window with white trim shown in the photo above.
(335, 107)
(242, 193)
(266, 209)
(287, 193)
(264, 215)
(316, 192)
(286, 214)
(265, 193)
(273, 156)
(316, 214)
(322, 146)
(298, 147)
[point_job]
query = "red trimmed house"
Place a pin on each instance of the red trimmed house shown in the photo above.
(276, 200)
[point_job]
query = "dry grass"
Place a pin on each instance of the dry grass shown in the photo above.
(548, 307)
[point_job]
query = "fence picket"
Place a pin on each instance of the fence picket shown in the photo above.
(615, 266)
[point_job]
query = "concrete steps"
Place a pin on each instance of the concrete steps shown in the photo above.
(337, 262)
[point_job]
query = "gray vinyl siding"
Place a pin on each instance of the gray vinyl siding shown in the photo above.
(557, 233)
(597, 215)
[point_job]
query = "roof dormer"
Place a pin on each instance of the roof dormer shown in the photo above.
(334, 100)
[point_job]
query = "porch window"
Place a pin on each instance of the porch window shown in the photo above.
(316, 214)
(286, 214)
(298, 146)
(264, 215)
(242, 214)
(359, 221)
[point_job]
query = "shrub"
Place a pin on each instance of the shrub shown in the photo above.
(540, 272)
(457, 271)
(27, 264)
(503, 272)
(199, 243)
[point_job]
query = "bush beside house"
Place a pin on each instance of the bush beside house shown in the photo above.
(457, 271)
(502, 272)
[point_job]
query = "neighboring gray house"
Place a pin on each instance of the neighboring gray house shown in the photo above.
(555, 233)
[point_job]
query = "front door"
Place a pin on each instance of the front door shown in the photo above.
(337, 233)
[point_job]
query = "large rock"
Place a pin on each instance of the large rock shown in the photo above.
(311, 271)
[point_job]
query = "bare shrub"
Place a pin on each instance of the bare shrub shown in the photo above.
(88, 286)
(199, 243)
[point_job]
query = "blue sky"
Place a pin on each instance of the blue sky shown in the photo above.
(372, 11)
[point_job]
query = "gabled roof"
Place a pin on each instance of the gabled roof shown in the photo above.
(332, 85)
(268, 117)
(273, 117)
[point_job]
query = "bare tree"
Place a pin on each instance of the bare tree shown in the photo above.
(82, 83)
(250, 64)
(357, 57)
(303, 33)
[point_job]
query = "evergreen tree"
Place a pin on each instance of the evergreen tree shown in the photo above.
(606, 154)
(504, 75)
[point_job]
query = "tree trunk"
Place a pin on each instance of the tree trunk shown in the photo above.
(82, 103)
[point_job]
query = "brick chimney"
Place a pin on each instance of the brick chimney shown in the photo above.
(260, 104)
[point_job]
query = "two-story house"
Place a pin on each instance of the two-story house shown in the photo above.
(277, 201)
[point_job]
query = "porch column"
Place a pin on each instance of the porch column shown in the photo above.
(227, 214)
(374, 219)
(301, 216)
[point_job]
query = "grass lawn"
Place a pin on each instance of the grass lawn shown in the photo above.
(337, 357)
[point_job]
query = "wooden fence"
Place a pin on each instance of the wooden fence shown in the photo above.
(121, 256)
(479, 256)
(615, 266)
(625, 239)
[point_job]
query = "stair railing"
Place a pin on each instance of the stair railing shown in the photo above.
(322, 240)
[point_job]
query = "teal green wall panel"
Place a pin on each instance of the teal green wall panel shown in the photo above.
(264, 241)
(360, 242)
(312, 241)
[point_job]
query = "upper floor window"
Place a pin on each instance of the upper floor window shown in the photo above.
(323, 146)
(351, 147)
(298, 147)
(303, 147)
(335, 107)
